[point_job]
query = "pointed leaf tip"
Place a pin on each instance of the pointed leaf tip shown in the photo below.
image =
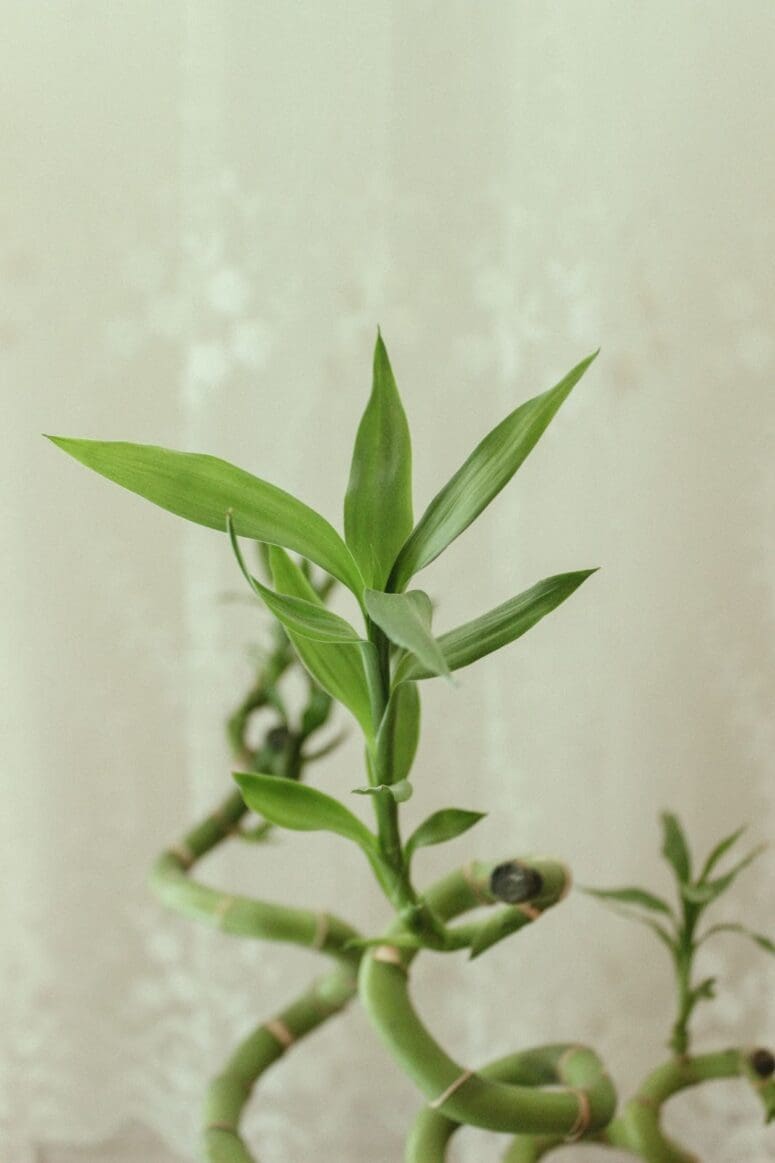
(675, 848)
(498, 627)
(378, 504)
(297, 615)
(200, 488)
(478, 481)
(301, 808)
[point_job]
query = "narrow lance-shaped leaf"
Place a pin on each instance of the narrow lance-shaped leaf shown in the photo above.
(719, 851)
(498, 627)
(760, 939)
(624, 909)
(488, 469)
(301, 808)
(703, 894)
(336, 666)
(398, 734)
(378, 505)
(204, 488)
(675, 848)
(406, 619)
(309, 619)
(631, 896)
(446, 824)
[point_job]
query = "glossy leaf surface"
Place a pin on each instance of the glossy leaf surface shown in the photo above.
(399, 733)
(204, 488)
(301, 808)
(337, 666)
(299, 615)
(488, 469)
(500, 626)
(406, 620)
(446, 824)
(378, 505)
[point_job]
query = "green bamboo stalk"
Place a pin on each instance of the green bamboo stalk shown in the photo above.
(568, 1065)
(240, 915)
(170, 879)
(230, 1091)
(638, 1129)
(462, 1095)
(243, 916)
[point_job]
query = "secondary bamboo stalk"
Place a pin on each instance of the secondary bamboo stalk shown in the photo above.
(230, 1091)
(638, 1129)
(243, 916)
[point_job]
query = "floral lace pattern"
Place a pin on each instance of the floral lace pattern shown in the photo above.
(225, 201)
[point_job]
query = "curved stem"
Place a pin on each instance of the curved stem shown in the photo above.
(229, 1093)
(638, 1128)
(463, 1095)
(566, 1064)
(170, 880)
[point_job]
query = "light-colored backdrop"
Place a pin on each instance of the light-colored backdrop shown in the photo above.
(206, 210)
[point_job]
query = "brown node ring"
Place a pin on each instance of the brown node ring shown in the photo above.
(581, 1125)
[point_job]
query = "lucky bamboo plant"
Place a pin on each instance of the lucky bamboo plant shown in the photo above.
(374, 666)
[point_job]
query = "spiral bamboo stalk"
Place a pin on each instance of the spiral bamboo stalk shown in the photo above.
(569, 1065)
(638, 1128)
(463, 1095)
(243, 916)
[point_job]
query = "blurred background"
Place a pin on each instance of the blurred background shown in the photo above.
(206, 210)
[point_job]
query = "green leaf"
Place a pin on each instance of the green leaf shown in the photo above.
(732, 927)
(203, 489)
(631, 896)
(400, 792)
(338, 667)
(446, 824)
(488, 469)
(720, 850)
(399, 734)
(706, 990)
(309, 619)
(498, 627)
(631, 914)
(675, 848)
(317, 711)
(301, 808)
(378, 505)
(406, 619)
(703, 894)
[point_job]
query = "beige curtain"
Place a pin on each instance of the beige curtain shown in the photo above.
(206, 210)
